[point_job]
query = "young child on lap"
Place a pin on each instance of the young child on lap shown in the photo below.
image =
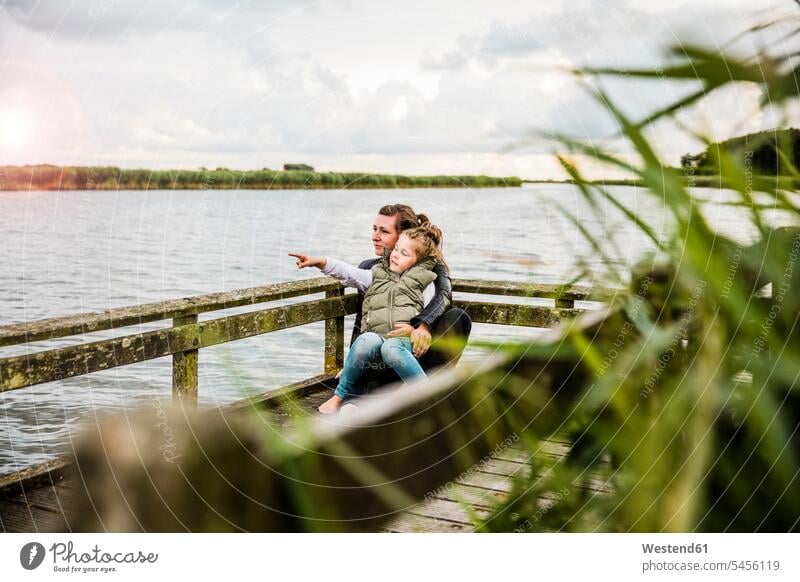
(393, 295)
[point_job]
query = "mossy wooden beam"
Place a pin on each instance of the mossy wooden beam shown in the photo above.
(186, 337)
(513, 289)
(30, 478)
(287, 394)
(46, 366)
(516, 315)
(82, 323)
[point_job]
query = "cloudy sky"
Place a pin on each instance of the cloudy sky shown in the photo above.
(443, 86)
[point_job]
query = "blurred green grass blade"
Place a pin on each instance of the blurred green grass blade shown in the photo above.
(591, 239)
(630, 215)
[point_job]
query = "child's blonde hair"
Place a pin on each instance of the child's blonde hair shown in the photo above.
(428, 239)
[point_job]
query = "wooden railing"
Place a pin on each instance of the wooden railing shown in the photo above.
(187, 335)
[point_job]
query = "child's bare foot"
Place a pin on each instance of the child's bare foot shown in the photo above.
(331, 405)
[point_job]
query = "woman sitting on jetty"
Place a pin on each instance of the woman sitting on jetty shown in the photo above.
(393, 295)
(437, 318)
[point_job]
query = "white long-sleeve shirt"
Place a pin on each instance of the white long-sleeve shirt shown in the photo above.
(361, 279)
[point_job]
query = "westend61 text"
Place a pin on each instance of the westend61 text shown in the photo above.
(65, 553)
(673, 549)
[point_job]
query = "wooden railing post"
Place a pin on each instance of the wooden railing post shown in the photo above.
(184, 369)
(334, 337)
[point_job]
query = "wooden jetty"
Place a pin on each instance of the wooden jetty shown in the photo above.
(434, 456)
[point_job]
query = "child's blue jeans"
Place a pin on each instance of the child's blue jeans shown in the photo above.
(368, 350)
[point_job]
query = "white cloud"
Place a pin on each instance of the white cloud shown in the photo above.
(444, 84)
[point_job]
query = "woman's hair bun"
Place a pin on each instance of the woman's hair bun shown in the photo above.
(432, 231)
(429, 237)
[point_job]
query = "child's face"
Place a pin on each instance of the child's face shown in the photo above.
(404, 255)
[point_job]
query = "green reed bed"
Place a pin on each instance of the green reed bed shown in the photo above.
(46, 177)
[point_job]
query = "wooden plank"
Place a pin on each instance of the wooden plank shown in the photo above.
(297, 402)
(412, 523)
(235, 327)
(47, 473)
(289, 413)
(516, 315)
(592, 482)
(16, 518)
(37, 509)
(536, 290)
(46, 366)
(476, 496)
(81, 323)
(520, 454)
(48, 498)
(20, 518)
(503, 467)
(290, 393)
(489, 481)
(445, 509)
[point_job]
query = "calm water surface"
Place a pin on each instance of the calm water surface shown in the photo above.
(63, 253)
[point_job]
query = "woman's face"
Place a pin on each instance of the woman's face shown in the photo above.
(404, 255)
(384, 233)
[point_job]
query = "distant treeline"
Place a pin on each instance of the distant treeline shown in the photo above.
(46, 177)
(766, 153)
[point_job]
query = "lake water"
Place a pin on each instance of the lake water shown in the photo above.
(72, 252)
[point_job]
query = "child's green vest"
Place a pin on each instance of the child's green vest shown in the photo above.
(393, 298)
